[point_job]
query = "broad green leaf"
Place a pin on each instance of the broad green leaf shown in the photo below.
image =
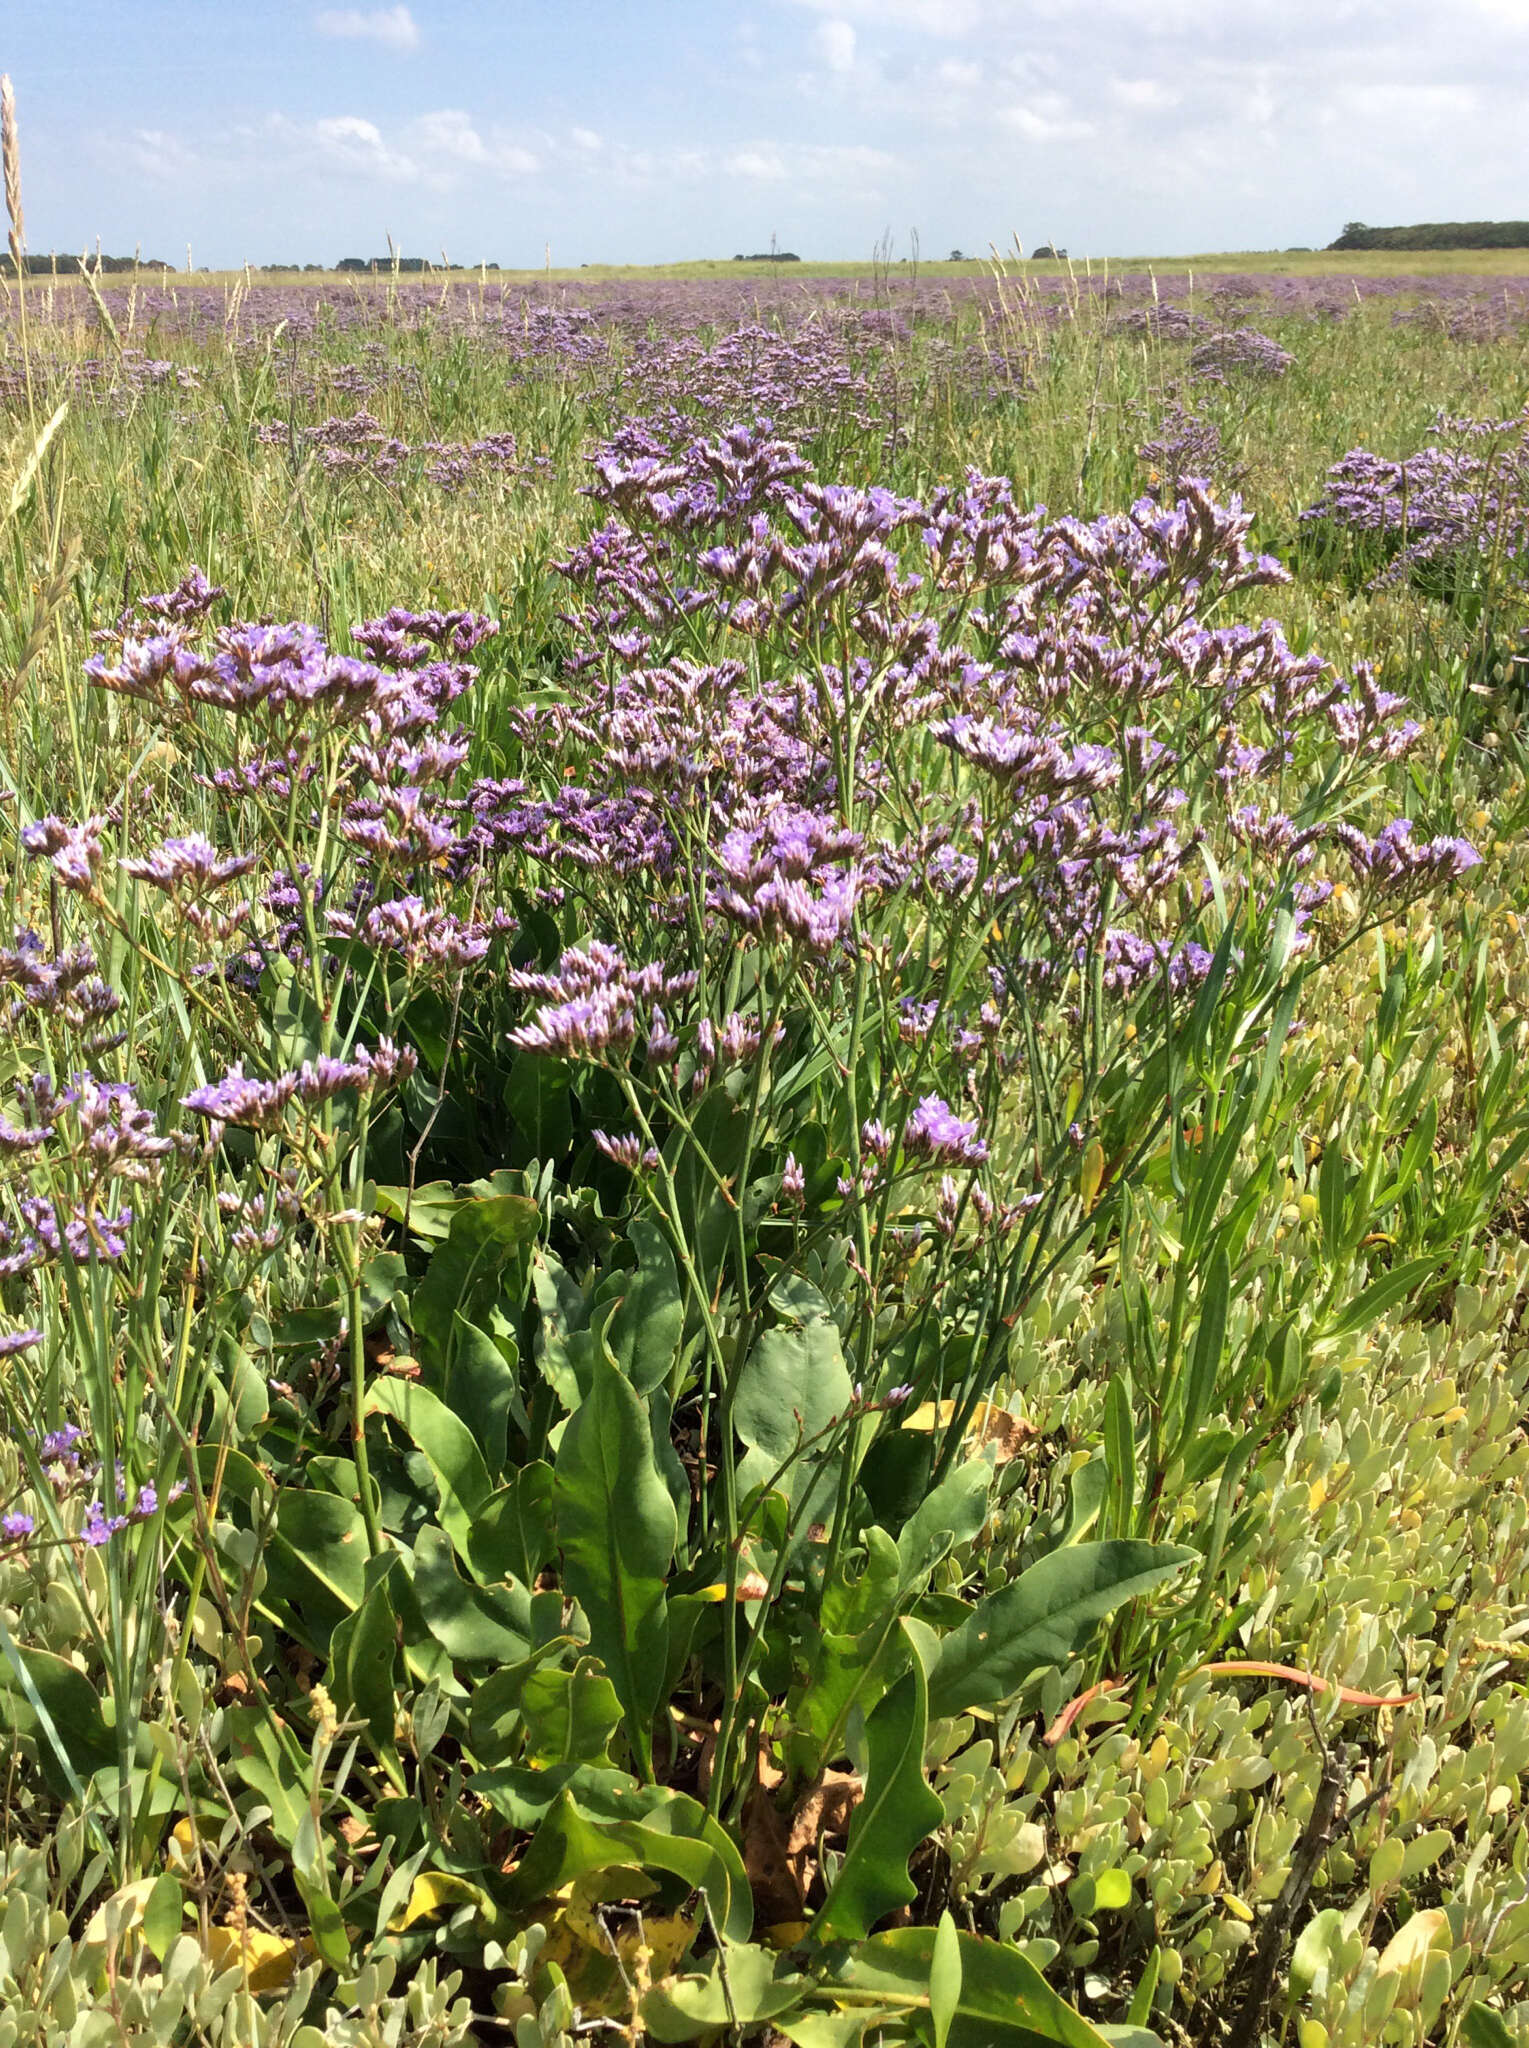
(162, 1915)
(272, 1773)
(513, 1536)
(899, 1809)
(570, 1716)
(1314, 1947)
(485, 1236)
(315, 1561)
(481, 1386)
(644, 1329)
(826, 2029)
(49, 1698)
(850, 1653)
(1042, 1618)
(563, 1346)
(952, 1514)
(1483, 2028)
(681, 1839)
(361, 1652)
(792, 1385)
(758, 1987)
(475, 1624)
(1003, 1995)
(536, 1095)
(617, 1528)
(449, 1449)
(429, 1208)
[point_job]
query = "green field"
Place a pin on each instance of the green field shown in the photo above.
(764, 1280)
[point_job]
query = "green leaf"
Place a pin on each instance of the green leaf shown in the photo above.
(826, 2029)
(1120, 1448)
(944, 1978)
(481, 1386)
(617, 1529)
(476, 1624)
(362, 1652)
(49, 1698)
(1381, 1295)
(429, 1208)
(315, 1560)
(1002, 1993)
(792, 1385)
(671, 1832)
(1484, 2028)
(449, 1449)
(899, 1809)
(162, 1914)
(952, 1514)
(645, 1328)
(536, 1094)
(1209, 1344)
(850, 1653)
(263, 1761)
(514, 1535)
(485, 1236)
(1314, 1947)
(1042, 1618)
(570, 1716)
(754, 1988)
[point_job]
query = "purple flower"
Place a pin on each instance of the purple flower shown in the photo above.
(934, 1132)
(15, 1341)
(191, 864)
(16, 1526)
(75, 850)
(240, 1099)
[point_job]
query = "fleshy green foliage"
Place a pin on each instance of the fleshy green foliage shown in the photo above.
(869, 1471)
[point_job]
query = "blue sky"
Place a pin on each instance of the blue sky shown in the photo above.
(644, 132)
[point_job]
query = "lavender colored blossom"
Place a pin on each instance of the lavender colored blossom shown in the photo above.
(935, 1133)
(191, 865)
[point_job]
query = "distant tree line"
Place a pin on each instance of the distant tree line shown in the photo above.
(69, 266)
(1447, 234)
(770, 256)
(411, 265)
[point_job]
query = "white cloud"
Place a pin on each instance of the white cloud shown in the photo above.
(1146, 95)
(394, 27)
(351, 144)
(835, 42)
(929, 17)
(1403, 103)
(585, 138)
(826, 167)
(767, 165)
(1044, 118)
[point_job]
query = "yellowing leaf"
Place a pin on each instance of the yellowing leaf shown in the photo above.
(269, 1961)
(119, 1919)
(432, 1892)
(1090, 1174)
(990, 1424)
(1412, 1941)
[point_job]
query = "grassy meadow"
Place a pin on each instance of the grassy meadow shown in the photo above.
(762, 1266)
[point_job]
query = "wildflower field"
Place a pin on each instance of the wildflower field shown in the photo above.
(764, 1158)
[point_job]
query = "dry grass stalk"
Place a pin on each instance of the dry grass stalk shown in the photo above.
(10, 149)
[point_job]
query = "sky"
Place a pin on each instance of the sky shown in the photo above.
(650, 131)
